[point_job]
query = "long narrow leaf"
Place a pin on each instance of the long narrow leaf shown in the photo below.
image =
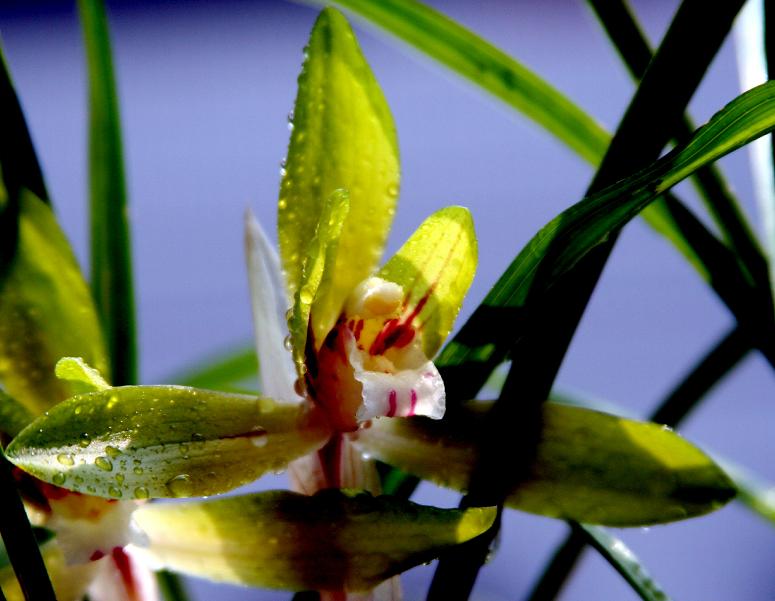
(624, 31)
(488, 67)
(625, 562)
(111, 265)
(566, 239)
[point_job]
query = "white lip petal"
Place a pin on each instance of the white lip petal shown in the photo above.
(402, 393)
(277, 372)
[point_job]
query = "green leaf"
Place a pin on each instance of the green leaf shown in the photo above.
(343, 138)
(111, 255)
(491, 69)
(335, 540)
(14, 416)
(566, 239)
(590, 467)
(435, 267)
(46, 312)
(164, 441)
(317, 278)
(624, 561)
(486, 66)
(82, 377)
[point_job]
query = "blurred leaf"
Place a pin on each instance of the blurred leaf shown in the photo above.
(111, 254)
(334, 540)
(435, 268)
(343, 138)
(589, 466)
(753, 66)
(220, 372)
(485, 339)
(752, 490)
(46, 312)
(624, 561)
(317, 278)
(491, 69)
(14, 416)
(486, 66)
(82, 377)
(164, 441)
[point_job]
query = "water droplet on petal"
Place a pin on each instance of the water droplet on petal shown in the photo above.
(112, 452)
(259, 437)
(104, 463)
(141, 492)
(85, 440)
(288, 343)
(65, 459)
(180, 486)
(115, 492)
(59, 479)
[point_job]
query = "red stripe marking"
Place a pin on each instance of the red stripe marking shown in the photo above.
(392, 402)
(413, 402)
(124, 566)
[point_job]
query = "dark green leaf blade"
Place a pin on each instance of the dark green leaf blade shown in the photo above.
(223, 371)
(566, 239)
(111, 255)
(335, 540)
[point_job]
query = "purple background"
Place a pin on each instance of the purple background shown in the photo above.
(205, 88)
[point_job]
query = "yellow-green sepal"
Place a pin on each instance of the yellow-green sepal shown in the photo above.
(164, 441)
(46, 311)
(335, 540)
(313, 295)
(343, 138)
(435, 267)
(590, 467)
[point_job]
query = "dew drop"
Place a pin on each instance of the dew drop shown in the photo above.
(288, 343)
(299, 386)
(59, 479)
(392, 190)
(115, 492)
(120, 478)
(306, 296)
(78, 410)
(289, 314)
(197, 437)
(138, 470)
(104, 463)
(65, 459)
(259, 438)
(180, 486)
(112, 452)
(85, 440)
(141, 492)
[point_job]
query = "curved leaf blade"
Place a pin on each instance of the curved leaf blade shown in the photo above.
(590, 467)
(164, 441)
(46, 312)
(334, 540)
(343, 138)
(561, 243)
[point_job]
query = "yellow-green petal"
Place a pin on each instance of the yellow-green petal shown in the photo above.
(435, 267)
(317, 278)
(343, 138)
(164, 441)
(46, 311)
(590, 466)
(334, 540)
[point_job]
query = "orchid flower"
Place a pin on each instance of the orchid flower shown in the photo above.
(346, 353)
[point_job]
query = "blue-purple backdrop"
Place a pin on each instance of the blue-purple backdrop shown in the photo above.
(205, 88)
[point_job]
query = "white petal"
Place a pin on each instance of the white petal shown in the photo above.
(267, 293)
(82, 536)
(417, 390)
(110, 584)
